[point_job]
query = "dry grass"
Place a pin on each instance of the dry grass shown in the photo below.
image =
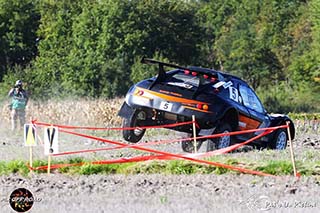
(96, 112)
(102, 112)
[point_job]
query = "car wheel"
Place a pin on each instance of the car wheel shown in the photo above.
(280, 140)
(222, 142)
(136, 134)
(188, 146)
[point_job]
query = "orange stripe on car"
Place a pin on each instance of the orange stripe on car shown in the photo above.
(248, 123)
(172, 98)
(183, 101)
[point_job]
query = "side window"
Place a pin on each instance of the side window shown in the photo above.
(250, 99)
(244, 95)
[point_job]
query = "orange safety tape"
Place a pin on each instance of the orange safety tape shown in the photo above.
(159, 157)
(111, 128)
(243, 170)
(206, 154)
(152, 157)
(228, 149)
(119, 160)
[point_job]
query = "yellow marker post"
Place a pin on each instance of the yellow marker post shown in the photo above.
(30, 156)
(291, 151)
(30, 140)
(194, 134)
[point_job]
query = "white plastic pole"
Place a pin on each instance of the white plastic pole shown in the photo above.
(291, 151)
(194, 133)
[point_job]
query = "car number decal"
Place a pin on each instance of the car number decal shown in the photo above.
(233, 94)
(227, 84)
(223, 83)
(166, 106)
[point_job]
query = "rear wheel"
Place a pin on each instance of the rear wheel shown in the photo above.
(135, 120)
(188, 146)
(280, 140)
(221, 142)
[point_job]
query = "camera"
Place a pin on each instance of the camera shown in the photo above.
(19, 87)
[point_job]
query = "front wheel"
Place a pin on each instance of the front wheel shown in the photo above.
(280, 140)
(134, 135)
(222, 142)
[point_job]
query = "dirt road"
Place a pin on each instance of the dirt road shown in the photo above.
(165, 193)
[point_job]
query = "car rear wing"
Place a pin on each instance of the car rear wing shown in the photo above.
(162, 73)
(145, 60)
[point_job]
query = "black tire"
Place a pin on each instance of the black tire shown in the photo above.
(280, 139)
(188, 146)
(134, 135)
(222, 142)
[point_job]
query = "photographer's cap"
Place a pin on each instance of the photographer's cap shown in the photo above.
(18, 83)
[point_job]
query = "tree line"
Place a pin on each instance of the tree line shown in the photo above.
(92, 48)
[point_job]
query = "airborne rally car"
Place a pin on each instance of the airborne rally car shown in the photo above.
(220, 102)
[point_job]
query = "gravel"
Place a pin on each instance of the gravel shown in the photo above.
(165, 193)
(158, 192)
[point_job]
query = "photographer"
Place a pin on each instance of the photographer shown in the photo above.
(18, 104)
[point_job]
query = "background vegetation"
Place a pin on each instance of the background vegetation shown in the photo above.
(91, 48)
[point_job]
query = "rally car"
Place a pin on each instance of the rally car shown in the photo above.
(220, 102)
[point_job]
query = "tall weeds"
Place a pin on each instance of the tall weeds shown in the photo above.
(97, 112)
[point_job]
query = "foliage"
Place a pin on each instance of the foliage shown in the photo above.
(93, 48)
(19, 21)
(176, 167)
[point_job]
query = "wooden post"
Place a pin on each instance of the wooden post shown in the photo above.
(194, 134)
(30, 156)
(30, 148)
(291, 151)
(49, 164)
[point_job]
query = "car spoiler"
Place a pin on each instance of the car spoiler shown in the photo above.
(162, 73)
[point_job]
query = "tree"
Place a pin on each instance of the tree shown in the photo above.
(19, 21)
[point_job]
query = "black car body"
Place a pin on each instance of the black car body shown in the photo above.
(220, 103)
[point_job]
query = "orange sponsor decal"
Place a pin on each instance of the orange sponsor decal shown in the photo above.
(172, 98)
(188, 103)
(247, 123)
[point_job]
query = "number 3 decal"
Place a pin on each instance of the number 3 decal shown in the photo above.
(233, 94)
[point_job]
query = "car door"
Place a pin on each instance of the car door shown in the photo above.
(257, 115)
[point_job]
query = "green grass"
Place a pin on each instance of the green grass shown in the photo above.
(305, 116)
(177, 167)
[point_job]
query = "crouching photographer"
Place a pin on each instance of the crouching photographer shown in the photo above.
(18, 104)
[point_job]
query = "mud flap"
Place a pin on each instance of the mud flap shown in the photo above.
(126, 111)
(204, 132)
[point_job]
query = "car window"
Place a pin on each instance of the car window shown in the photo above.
(250, 99)
(188, 81)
